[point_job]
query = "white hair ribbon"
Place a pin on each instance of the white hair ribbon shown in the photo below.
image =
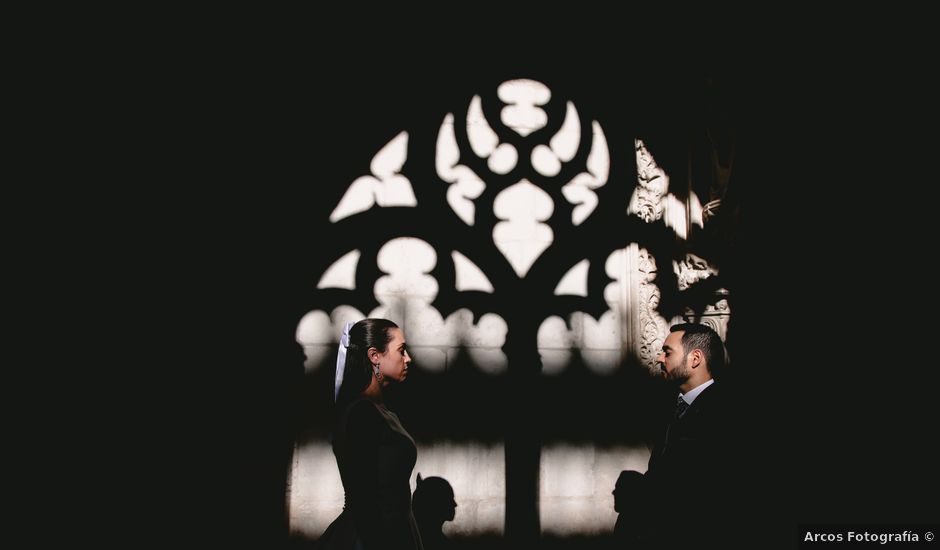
(341, 359)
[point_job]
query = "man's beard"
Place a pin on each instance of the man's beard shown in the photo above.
(679, 375)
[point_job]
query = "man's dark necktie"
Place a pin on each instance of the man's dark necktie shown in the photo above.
(681, 407)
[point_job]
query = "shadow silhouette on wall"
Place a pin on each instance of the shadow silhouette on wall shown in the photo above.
(631, 502)
(433, 504)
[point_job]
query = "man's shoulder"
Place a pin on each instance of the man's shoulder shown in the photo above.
(717, 399)
(714, 391)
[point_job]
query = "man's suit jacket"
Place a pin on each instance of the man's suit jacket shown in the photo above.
(694, 446)
(690, 466)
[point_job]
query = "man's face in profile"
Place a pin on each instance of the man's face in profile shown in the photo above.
(673, 360)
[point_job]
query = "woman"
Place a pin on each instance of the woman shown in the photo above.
(374, 452)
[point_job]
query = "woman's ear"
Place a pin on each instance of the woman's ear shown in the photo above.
(373, 355)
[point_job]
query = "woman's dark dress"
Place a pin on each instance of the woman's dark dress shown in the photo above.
(376, 457)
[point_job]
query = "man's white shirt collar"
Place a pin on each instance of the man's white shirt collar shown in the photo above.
(690, 397)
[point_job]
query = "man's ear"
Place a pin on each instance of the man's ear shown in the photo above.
(697, 357)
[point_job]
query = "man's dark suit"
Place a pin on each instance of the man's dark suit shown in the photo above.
(689, 469)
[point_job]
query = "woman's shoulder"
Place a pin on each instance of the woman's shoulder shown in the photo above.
(363, 411)
(362, 403)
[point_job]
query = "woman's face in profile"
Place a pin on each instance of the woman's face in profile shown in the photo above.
(394, 362)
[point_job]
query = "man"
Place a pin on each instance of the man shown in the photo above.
(688, 467)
